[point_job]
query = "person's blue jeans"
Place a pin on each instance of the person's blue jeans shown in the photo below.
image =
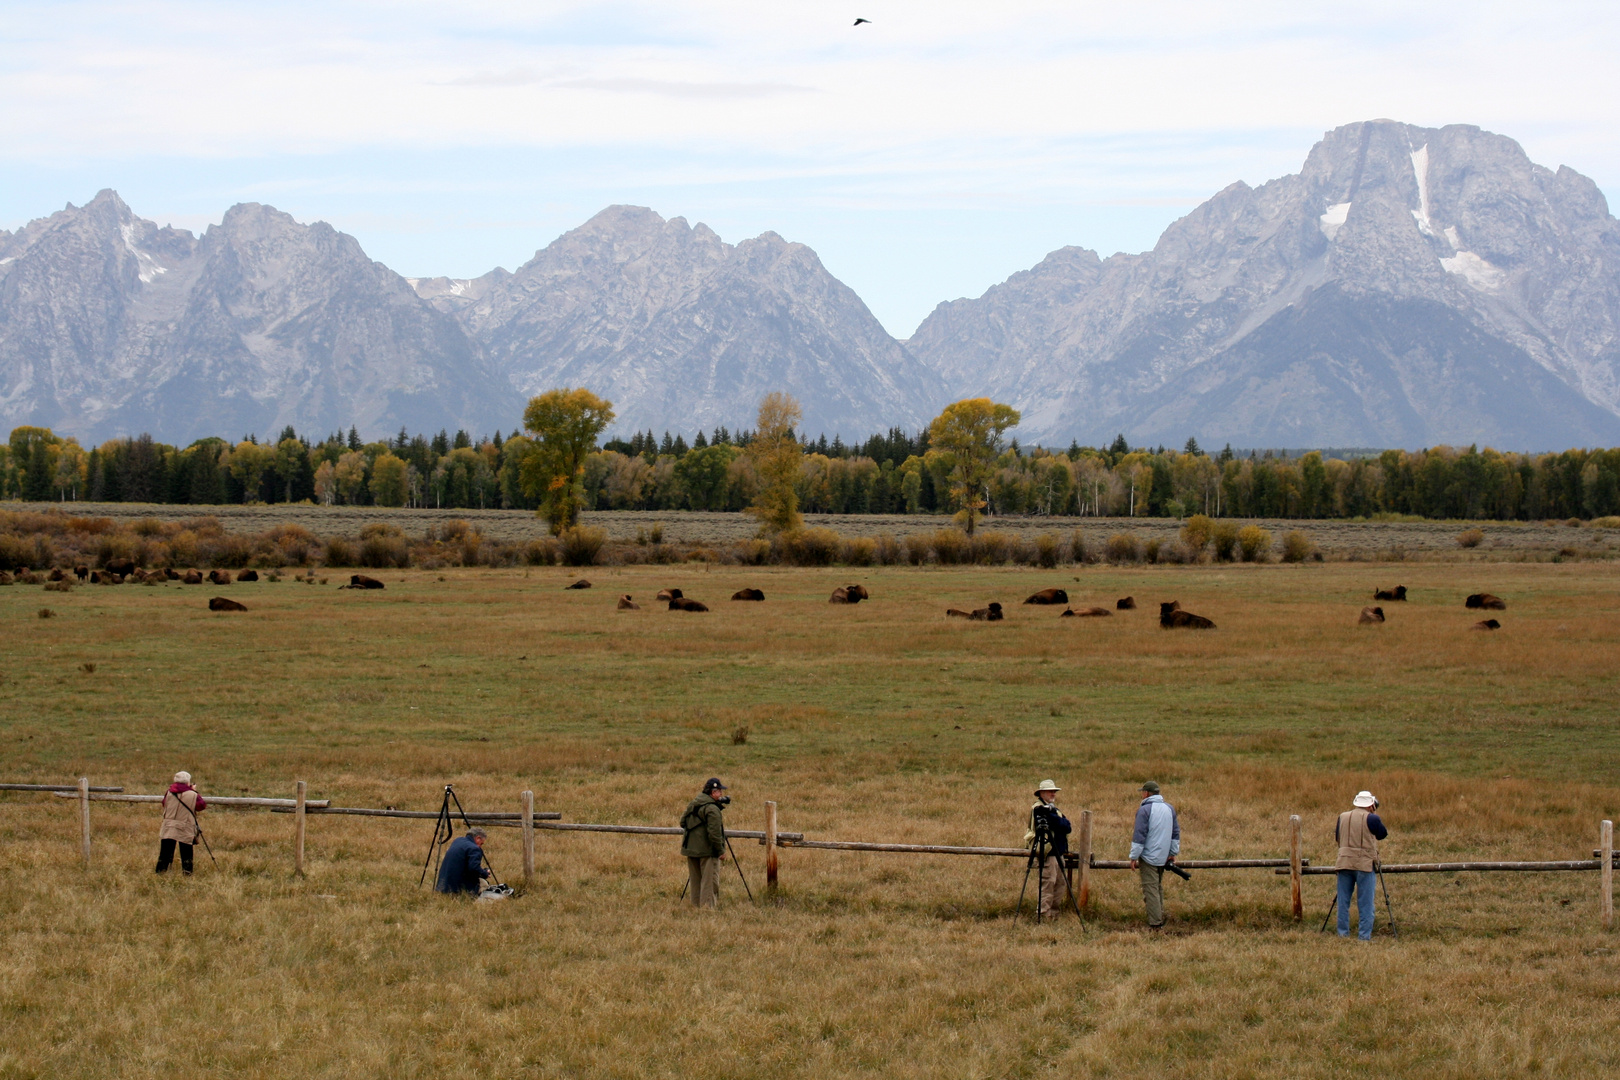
(1363, 882)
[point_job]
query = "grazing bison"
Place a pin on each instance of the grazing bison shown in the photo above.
(1486, 624)
(848, 594)
(681, 603)
(1371, 616)
(81, 572)
(748, 594)
(1397, 593)
(219, 577)
(668, 594)
(1049, 596)
(1486, 602)
(992, 613)
(193, 577)
(1171, 617)
(121, 567)
(361, 581)
(220, 603)
(1126, 603)
(627, 604)
(1085, 613)
(580, 584)
(248, 575)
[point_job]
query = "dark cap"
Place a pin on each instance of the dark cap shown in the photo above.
(1151, 787)
(713, 784)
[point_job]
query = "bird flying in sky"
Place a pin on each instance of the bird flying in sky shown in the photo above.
(859, 21)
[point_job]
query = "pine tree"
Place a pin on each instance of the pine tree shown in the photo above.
(1120, 447)
(354, 438)
(700, 442)
(1192, 447)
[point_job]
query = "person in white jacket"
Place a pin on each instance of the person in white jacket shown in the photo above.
(1155, 841)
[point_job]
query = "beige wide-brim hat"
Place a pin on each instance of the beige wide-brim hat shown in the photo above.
(1046, 785)
(182, 778)
(1365, 800)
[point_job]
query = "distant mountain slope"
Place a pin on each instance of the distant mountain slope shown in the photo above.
(682, 330)
(1410, 286)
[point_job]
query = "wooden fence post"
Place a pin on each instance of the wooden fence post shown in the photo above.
(1294, 866)
(770, 846)
(299, 818)
(1606, 852)
(528, 837)
(84, 817)
(1083, 893)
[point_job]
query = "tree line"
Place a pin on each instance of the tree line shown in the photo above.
(937, 470)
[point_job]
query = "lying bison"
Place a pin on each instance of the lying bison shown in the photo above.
(1085, 613)
(56, 574)
(748, 594)
(248, 575)
(627, 604)
(668, 594)
(580, 584)
(1171, 617)
(992, 613)
(361, 581)
(1397, 593)
(219, 603)
(193, 577)
(1484, 601)
(5, 578)
(848, 594)
(1370, 615)
(1125, 603)
(1049, 596)
(681, 603)
(1486, 624)
(171, 574)
(219, 577)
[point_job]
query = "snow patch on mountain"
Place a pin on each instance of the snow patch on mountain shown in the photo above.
(1333, 220)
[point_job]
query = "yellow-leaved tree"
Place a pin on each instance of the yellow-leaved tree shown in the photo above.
(776, 455)
(964, 442)
(564, 425)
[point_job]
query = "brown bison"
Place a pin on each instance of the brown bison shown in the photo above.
(992, 613)
(1126, 603)
(171, 574)
(56, 574)
(220, 603)
(5, 578)
(1371, 616)
(1085, 613)
(1397, 593)
(681, 603)
(627, 604)
(219, 577)
(849, 594)
(81, 572)
(668, 594)
(248, 575)
(580, 584)
(1486, 602)
(1486, 624)
(1171, 617)
(1049, 596)
(361, 581)
(193, 577)
(748, 594)
(121, 567)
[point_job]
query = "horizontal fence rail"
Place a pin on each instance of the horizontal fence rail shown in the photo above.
(480, 817)
(74, 788)
(212, 800)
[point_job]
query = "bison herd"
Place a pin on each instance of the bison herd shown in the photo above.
(1374, 616)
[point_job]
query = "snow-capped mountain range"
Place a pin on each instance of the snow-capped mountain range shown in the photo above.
(1409, 286)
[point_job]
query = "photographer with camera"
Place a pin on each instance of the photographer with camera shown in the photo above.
(462, 870)
(1048, 840)
(1155, 843)
(704, 844)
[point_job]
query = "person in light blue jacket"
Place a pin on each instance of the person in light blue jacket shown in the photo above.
(1155, 841)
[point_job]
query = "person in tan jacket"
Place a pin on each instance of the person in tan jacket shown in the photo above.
(181, 805)
(1358, 832)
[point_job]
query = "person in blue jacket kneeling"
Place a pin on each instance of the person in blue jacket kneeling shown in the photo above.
(463, 869)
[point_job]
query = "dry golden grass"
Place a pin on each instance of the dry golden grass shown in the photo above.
(875, 722)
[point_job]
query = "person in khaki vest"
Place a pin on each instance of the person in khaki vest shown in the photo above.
(181, 805)
(1358, 833)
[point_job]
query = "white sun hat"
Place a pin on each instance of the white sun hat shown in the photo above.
(1047, 785)
(1365, 800)
(182, 777)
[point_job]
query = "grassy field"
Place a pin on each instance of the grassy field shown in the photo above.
(1383, 541)
(876, 722)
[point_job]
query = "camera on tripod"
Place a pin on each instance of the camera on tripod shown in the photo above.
(1041, 819)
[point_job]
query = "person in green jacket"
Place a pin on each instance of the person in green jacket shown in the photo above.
(704, 844)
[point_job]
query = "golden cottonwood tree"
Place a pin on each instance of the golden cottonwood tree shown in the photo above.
(776, 454)
(964, 442)
(565, 425)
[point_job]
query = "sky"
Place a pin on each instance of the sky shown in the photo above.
(925, 156)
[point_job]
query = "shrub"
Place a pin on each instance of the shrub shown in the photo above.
(340, 551)
(471, 544)
(111, 547)
(1225, 538)
(1078, 550)
(542, 552)
(1123, 548)
(1048, 550)
(1574, 523)
(888, 550)
(753, 552)
(916, 548)
(381, 530)
(1254, 542)
(1470, 538)
(1296, 547)
(581, 544)
(19, 551)
(230, 552)
(452, 530)
(657, 534)
(950, 547)
(47, 613)
(810, 547)
(1610, 522)
(740, 736)
(1150, 550)
(860, 551)
(148, 526)
(1197, 532)
(89, 526)
(1175, 552)
(993, 548)
(385, 552)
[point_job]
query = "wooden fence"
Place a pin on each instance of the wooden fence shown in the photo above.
(1082, 860)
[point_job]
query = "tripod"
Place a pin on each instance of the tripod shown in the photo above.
(444, 831)
(1039, 851)
(1393, 930)
(740, 874)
